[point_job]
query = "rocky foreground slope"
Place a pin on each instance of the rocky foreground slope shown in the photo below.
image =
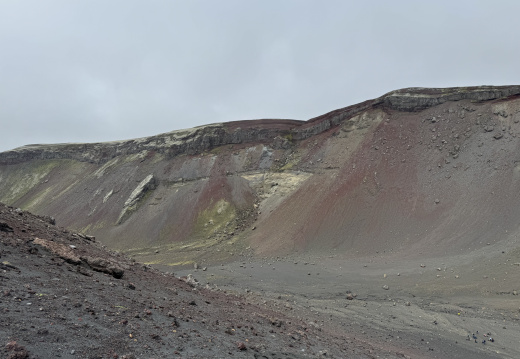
(63, 296)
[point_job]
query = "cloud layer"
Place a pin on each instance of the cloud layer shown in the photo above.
(88, 71)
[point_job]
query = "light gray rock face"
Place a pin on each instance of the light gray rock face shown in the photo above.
(137, 194)
(417, 99)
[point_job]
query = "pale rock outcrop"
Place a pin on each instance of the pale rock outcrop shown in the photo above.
(137, 194)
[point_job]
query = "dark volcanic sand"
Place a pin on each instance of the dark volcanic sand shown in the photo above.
(428, 309)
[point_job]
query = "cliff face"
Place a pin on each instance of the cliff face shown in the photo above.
(190, 141)
(204, 138)
(411, 168)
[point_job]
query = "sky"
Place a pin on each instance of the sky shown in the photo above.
(98, 70)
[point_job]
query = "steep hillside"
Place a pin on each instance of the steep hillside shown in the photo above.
(415, 172)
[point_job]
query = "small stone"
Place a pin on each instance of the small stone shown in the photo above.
(241, 346)
(385, 287)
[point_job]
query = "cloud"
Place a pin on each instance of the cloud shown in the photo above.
(106, 70)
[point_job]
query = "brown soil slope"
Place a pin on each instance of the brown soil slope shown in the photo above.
(442, 181)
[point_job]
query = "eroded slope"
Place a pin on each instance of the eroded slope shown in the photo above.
(414, 172)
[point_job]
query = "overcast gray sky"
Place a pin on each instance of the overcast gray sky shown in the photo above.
(89, 71)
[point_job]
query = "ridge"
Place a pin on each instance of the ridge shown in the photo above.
(203, 138)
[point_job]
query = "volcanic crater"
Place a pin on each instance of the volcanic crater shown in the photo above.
(383, 229)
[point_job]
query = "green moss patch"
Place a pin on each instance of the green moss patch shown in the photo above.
(214, 219)
(16, 183)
